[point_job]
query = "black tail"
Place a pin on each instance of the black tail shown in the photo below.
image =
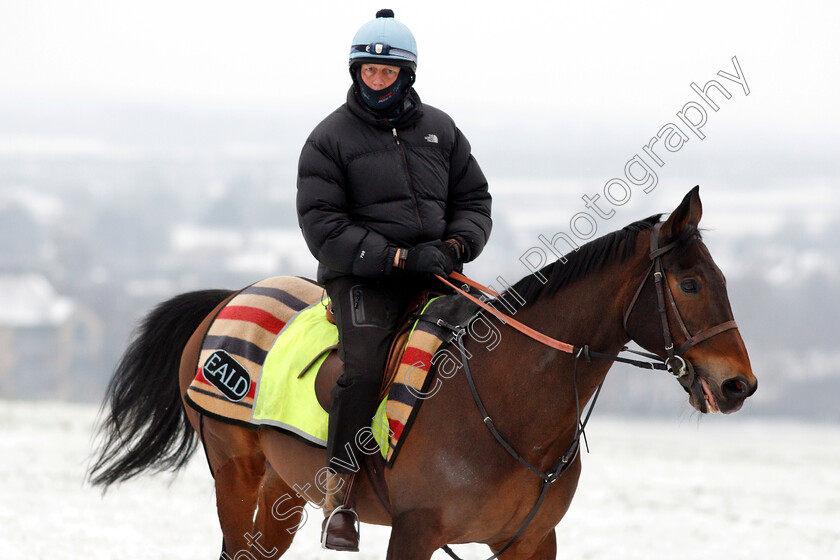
(147, 426)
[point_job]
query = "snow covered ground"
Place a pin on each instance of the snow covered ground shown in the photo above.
(714, 488)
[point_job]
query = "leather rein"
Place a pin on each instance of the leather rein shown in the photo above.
(674, 363)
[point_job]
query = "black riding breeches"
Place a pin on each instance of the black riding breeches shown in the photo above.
(367, 313)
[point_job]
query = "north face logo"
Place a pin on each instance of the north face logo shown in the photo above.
(431, 138)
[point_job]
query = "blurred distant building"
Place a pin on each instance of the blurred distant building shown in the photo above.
(47, 342)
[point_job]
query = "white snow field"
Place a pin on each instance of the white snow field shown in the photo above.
(711, 487)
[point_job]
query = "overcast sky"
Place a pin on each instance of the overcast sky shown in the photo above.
(582, 86)
(589, 60)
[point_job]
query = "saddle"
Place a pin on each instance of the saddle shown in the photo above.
(238, 381)
(332, 367)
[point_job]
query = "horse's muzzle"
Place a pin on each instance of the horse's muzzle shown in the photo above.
(706, 395)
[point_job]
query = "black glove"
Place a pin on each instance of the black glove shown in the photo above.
(429, 258)
(453, 250)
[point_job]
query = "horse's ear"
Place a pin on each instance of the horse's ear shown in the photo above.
(688, 213)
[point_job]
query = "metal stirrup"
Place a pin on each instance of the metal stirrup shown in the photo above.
(339, 509)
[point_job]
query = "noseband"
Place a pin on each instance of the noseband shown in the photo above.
(677, 365)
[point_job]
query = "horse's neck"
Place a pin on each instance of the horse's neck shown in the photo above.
(589, 312)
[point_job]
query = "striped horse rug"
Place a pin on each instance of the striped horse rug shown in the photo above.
(260, 355)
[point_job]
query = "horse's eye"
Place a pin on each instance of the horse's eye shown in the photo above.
(690, 286)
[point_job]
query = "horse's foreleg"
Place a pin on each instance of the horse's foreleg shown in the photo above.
(415, 535)
(280, 513)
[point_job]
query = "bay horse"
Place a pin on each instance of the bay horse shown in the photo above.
(653, 282)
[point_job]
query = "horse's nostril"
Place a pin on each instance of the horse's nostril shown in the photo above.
(735, 388)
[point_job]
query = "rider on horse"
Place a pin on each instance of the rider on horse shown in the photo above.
(388, 194)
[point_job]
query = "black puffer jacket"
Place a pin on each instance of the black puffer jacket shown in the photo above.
(366, 188)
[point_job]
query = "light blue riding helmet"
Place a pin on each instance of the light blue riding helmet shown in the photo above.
(384, 40)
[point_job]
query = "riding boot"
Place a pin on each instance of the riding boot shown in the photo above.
(340, 529)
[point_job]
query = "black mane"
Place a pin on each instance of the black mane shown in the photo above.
(590, 257)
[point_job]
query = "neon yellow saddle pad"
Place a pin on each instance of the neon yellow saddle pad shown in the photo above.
(285, 398)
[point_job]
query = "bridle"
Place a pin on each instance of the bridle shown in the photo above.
(675, 363)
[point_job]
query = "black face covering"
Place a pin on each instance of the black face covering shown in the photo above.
(388, 101)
